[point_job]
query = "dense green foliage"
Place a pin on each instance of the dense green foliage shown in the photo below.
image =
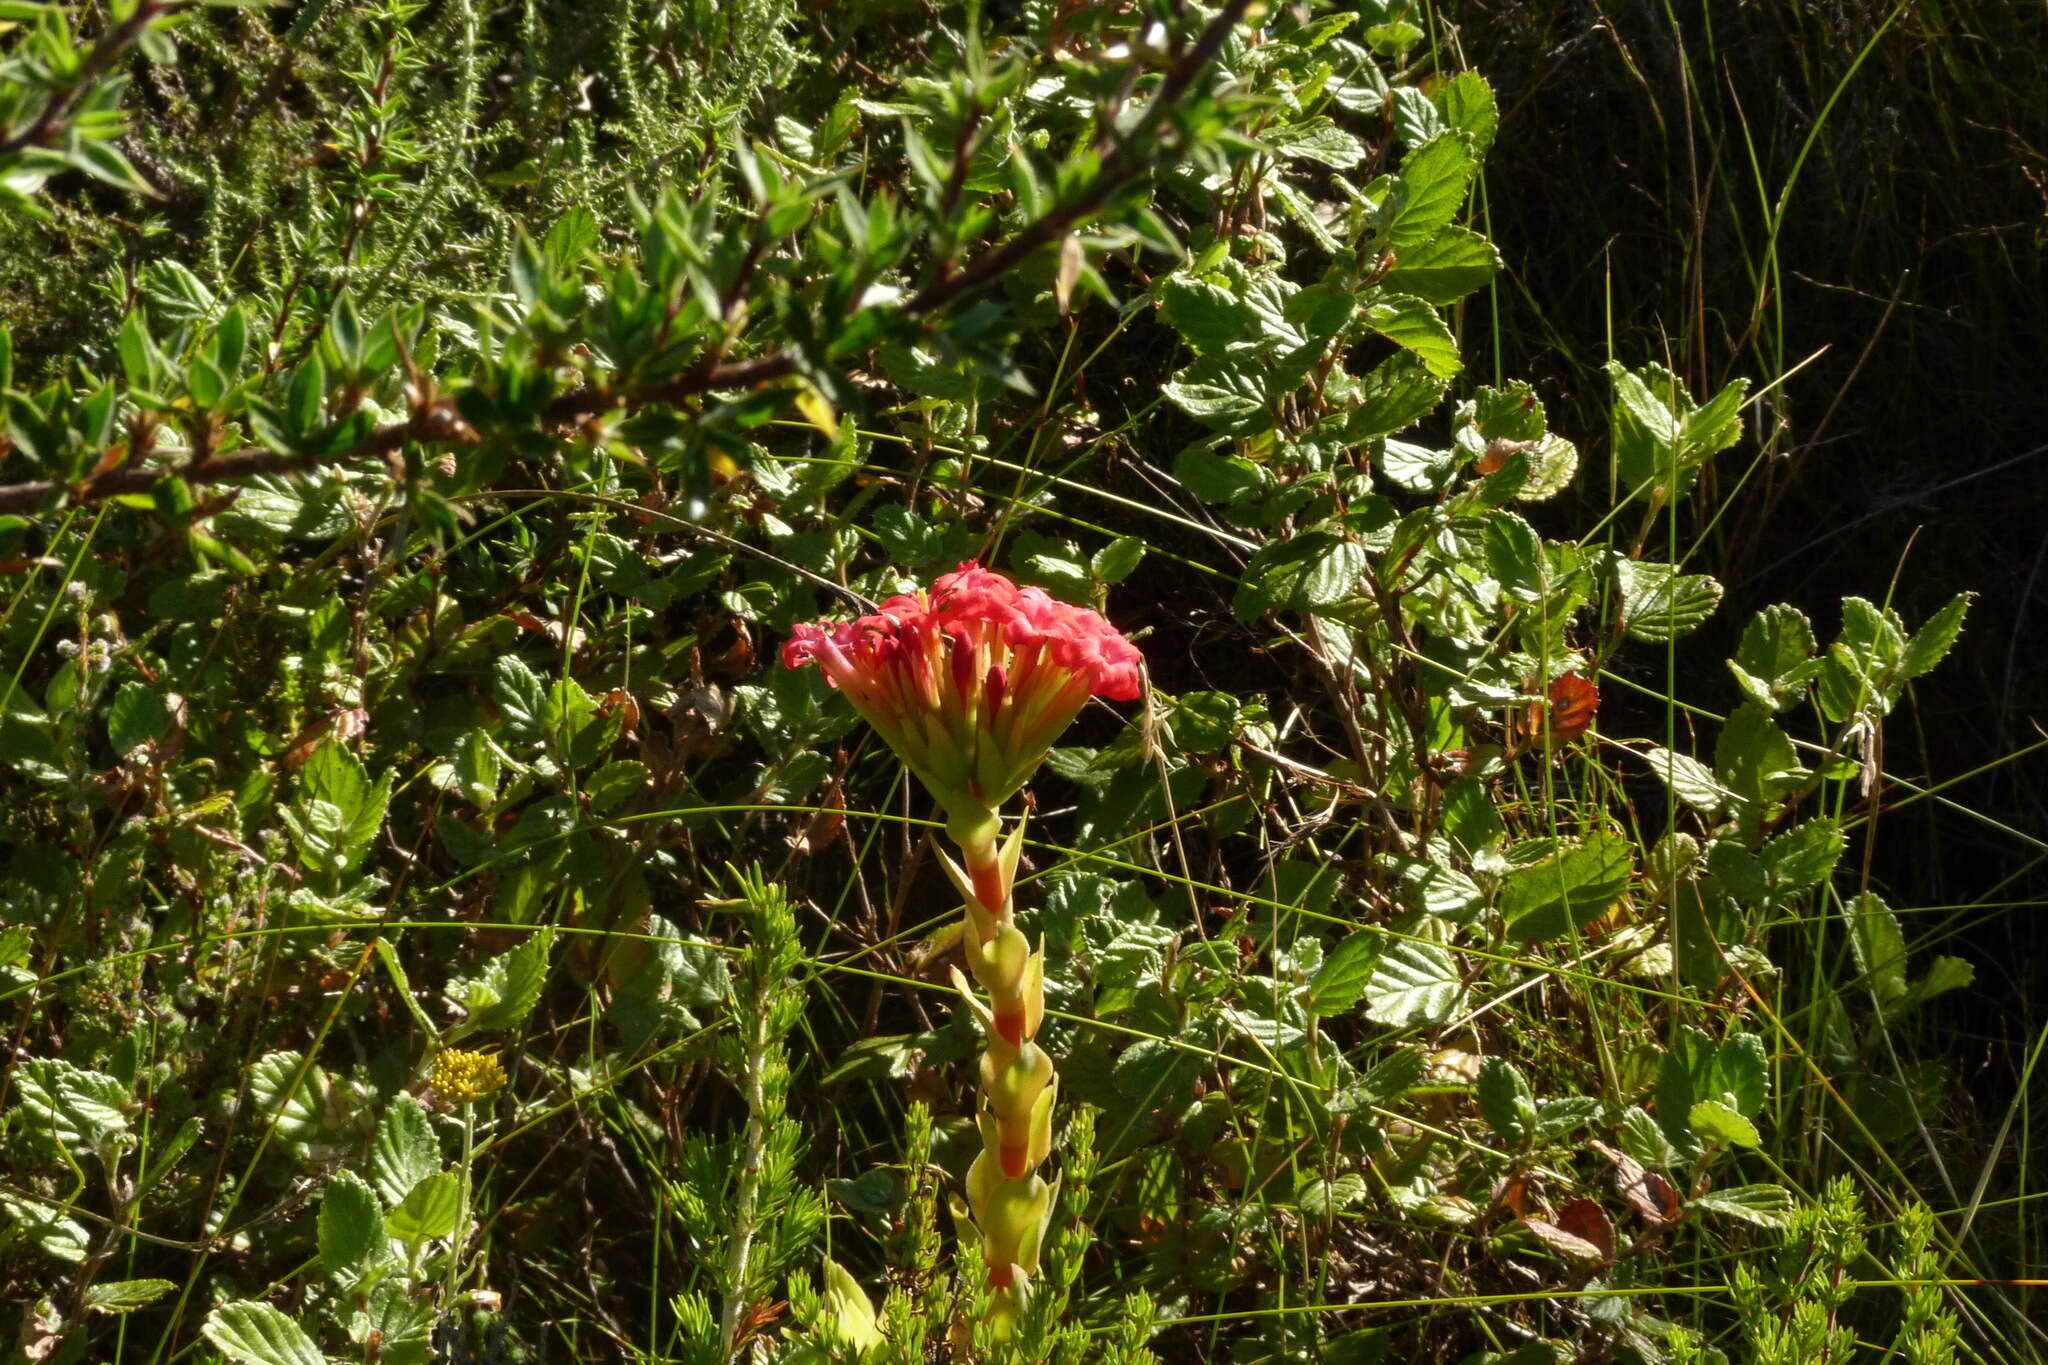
(433, 926)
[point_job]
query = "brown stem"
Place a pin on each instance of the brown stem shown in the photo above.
(1123, 164)
(116, 41)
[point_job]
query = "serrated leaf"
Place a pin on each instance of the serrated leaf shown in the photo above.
(1448, 267)
(1801, 857)
(1775, 660)
(1861, 668)
(1321, 1198)
(297, 1110)
(1715, 424)
(519, 694)
(405, 1152)
(1944, 974)
(430, 1209)
(1692, 781)
(53, 1232)
(252, 1333)
(1515, 556)
(1658, 605)
(1114, 562)
(1222, 392)
(1468, 105)
(336, 777)
(1395, 394)
(1320, 140)
(1570, 1245)
(1315, 569)
(16, 941)
(1414, 983)
(1643, 1139)
(351, 1223)
(1569, 889)
(1209, 316)
(1878, 946)
(1339, 983)
(74, 1111)
(1766, 1206)
(1393, 1076)
(1416, 468)
(1552, 463)
(1555, 1118)
(125, 1296)
(1218, 478)
(1435, 889)
(1505, 1100)
(1755, 759)
(505, 992)
(1431, 190)
(136, 717)
(1932, 642)
(1737, 1074)
(1415, 326)
(1298, 207)
(615, 784)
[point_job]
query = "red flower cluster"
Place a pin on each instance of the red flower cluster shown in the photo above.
(971, 681)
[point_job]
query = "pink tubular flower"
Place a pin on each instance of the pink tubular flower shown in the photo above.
(971, 681)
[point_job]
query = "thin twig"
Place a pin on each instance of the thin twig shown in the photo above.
(438, 422)
(115, 42)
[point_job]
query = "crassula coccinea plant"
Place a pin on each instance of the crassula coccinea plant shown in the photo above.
(971, 682)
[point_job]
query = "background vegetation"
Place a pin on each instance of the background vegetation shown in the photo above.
(429, 924)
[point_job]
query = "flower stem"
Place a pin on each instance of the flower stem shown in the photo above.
(461, 1234)
(1010, 1201)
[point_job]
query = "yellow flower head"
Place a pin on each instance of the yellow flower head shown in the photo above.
(465, 1077)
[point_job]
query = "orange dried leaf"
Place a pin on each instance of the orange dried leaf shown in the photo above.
(1573, 703)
